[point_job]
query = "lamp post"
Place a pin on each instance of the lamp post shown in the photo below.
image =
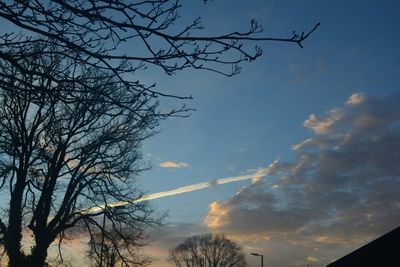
(259, 255)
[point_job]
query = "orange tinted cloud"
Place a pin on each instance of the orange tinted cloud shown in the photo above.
(171, 164)
(214, 218)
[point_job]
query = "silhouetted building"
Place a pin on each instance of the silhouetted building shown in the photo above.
(382, 252)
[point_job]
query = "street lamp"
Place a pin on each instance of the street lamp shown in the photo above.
(259, 255)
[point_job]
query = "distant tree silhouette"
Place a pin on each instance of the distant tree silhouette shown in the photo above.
(65, 148)
(111, 251)
(209, 250)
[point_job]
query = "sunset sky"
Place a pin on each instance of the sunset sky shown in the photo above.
(297, 157)
(322, 122)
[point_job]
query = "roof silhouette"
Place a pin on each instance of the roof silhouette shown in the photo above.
(381, 252)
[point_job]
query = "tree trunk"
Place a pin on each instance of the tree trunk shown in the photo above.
(12, 244)
(38, 256)
(13, 236)
(16, 259)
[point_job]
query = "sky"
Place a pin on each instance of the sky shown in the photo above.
(322, 124)
(297, 157)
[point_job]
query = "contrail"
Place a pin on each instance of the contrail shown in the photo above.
(184, 189)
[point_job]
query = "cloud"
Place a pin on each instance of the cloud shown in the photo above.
(255, 177)
(356, 99)
(173, 233)
(171, 164)
(341, 190)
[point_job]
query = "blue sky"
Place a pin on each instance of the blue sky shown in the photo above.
(246, 122)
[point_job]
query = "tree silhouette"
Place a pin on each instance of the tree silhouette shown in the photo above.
(102, 253)
(108, 249)
(209, 250)
(65, 148)
(93, 33)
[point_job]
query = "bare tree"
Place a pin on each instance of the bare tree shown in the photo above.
(65, 148)
(110, 251)
(73, 115)
(93, 33)
(102, 253)
(212, 250)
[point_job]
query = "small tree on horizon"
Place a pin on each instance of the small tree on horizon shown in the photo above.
(208, 250)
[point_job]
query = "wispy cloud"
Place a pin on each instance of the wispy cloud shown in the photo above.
(172, 164)
(261, 172)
